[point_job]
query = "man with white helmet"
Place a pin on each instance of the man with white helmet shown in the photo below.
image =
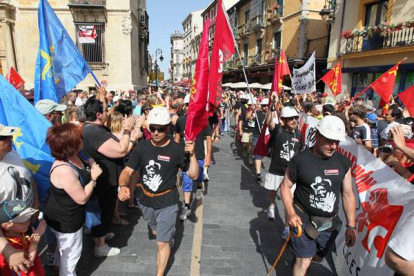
(286, 141)
(253, 121)
(154, 165)
(320, 174)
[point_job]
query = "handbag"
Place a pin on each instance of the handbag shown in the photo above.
(93, 211)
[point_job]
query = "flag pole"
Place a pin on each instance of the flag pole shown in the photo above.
(95, 78)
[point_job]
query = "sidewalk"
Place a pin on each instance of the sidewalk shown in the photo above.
(236, 238)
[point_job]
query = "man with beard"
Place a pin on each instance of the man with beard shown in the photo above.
(320, 174)
(51, 110)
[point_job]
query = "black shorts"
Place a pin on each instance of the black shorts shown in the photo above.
(306, 247)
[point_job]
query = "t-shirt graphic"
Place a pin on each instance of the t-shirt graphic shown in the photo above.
(287, 151)
(321, 199)
(152, 179)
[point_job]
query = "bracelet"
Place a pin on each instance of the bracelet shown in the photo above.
(351, 227)
(127, 132)
(133, 142)
(93, 182)
(119, 187)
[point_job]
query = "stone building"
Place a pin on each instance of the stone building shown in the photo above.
(177, 56)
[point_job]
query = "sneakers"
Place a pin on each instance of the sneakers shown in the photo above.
(285, 233)
(205, 173)
(109, 236)
(271, 212)
(259, 177)
(185, 213)
(199, 194)
(50, 259)
(106, 251)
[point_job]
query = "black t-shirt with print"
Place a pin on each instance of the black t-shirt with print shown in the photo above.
(93, 137)
(285, 145)
(223, 105)
(158, 167)
(318, 181)
(199, 144)
(251, 126)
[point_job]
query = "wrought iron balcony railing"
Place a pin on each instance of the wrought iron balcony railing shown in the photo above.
(257, 23)
(88, 3)
(365, 41)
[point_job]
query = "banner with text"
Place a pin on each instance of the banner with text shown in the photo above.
(304, 77)
(384, 201)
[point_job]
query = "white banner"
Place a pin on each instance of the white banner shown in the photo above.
(87, 34)
(384, 202)
(304, 77)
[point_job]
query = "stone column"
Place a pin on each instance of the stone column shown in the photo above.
(6, 25)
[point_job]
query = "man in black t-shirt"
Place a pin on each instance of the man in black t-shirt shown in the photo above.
(286, 143)
(154, 164)
(203, 159)
(321, 174)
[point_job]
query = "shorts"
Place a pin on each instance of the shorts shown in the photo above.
(247, 138)
(188, 182)
(162, 221)
(273, 182)
(305, 247)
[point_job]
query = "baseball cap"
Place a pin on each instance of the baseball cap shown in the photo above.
(116, 98)
(159, 116)
(48, 106)
(288, 112)
(16, 211)
(264, 101)
(7, 131)
(332, 127)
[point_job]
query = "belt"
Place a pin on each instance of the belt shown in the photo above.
(148, 194)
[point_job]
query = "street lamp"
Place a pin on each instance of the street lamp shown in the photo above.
(157, 52)
(328, 10)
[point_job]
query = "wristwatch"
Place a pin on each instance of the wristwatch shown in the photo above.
(119, 187)
(351, 227)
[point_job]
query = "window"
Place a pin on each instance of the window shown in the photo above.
(276, 40)
(89, 39)
(259, 51)
(280, 3)
(376, 13)
(246, 17)
(212, 14)
(245, 53)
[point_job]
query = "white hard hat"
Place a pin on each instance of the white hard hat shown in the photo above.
(288, 112)
(159, 116)
(252, 99)
(187, 99)
(332, 127)
(319, 107)
(264, 101)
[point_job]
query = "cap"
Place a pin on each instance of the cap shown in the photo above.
(187, 99)
(264, 101)
(371, 117)
(16, 211)
(324, 94)
(48, 106)
(288, 111)
(7, 131)
(116, 98)
(319, 107)
(252, 99)
(332, 127)
(159, 116)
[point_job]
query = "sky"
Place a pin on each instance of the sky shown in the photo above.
(165, 17)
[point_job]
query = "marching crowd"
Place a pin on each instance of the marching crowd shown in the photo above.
(113, 147)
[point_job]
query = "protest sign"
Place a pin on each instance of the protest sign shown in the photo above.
(304, 77)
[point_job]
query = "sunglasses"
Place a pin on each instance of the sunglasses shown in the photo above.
(292, 118)
(160, 129)
(2, 138)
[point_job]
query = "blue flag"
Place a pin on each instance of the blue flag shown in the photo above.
(30, 139)
(59, 65)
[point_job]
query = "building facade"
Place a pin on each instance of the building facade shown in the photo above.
(262, 27)
(177, 56)
(375, 35)
(94, 26)
(192, 27)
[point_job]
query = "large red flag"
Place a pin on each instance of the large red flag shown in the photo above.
(333, 79)
(281, 69)
(14, 78)
(223, 48)
(384, 85)
(407, 97)
(197, 108)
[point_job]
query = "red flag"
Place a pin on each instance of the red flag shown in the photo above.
(407, 98)
(197, 108)
(281, 69)
(333, 79)
(14, 78)
(384, 85)
(223, 48)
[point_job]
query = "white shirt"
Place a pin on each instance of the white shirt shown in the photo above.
(80, 101)
(402, 241)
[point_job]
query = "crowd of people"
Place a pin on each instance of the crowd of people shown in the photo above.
(111, 147)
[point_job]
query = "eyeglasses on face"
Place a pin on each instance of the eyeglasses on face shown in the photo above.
(160, 129)
(3, 138)
(292, 118)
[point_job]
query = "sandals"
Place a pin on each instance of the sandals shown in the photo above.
(122, 222)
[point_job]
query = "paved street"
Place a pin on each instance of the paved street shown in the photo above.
(232, 232)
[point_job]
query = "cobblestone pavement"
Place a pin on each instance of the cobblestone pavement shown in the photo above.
(234, 234)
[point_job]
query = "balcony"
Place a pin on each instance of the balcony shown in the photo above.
(88, 10)
(257, 23)
(369, 40)
(273, 17)
(243, 30)
(236, 34)
(143, 19)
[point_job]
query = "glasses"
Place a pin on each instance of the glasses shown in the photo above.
(2, 138)
(160, 129)
(292, 118)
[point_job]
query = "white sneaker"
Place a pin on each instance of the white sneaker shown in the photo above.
(106, 251)
(109, 236)
(271, 212)
(185, 213)
(199, 194)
